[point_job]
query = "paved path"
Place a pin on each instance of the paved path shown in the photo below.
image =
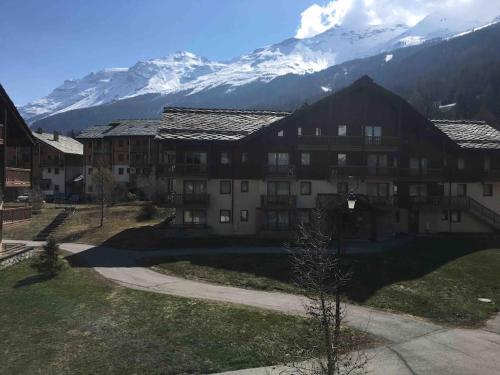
(414, 346)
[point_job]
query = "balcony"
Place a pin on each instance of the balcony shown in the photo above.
(166, 169)
(17, 177)
(346, 171)
(184, 169)
(333, 201)
(492, 175)
(423, 173)
(352, 142)
(278, 201)
(280, 170)
(187, 200)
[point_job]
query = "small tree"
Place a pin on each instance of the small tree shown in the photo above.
(104, 183)
(319, 272)
(48, 263)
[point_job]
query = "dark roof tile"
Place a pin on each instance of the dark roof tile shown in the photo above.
(470, 134)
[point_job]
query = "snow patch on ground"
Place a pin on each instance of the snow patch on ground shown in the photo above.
(388, 58)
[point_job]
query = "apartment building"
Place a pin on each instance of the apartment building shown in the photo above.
(16, 150)
(59, 164)
(231, 172)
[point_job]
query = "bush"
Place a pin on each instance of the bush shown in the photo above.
(48, 263)
(147, 212)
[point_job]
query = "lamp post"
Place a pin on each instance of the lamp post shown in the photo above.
(351, 203)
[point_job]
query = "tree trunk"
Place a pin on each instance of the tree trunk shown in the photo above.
(102, 208)
(330, 355)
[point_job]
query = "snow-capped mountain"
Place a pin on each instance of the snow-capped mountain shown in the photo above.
(187, 74)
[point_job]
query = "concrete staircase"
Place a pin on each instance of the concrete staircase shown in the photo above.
(480, 211)
(58, 221)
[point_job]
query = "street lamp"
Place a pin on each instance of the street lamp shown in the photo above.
(351, 201)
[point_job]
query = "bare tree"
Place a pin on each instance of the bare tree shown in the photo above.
(105, 184)
(319, 272)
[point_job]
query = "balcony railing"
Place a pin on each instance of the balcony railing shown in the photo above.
(351, 141)
(183, 169)
(421, 173)
(187, 200)
(278, 201)
(492, 174)
(333, 201)
(280, 170)
(17, 177)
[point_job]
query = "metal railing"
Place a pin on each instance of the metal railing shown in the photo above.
(187, 200)
(278, 201)
(280, 170)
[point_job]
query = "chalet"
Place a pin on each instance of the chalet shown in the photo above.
(59, 162)
(237, 172)
(16, 152)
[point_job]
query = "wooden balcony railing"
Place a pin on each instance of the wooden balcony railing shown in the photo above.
(280, 170)
(14, 214)
(17, 177)
(187, 200)
(333, 201)
(351, 141)
(187, 169)
(278, 201)
(421, 173)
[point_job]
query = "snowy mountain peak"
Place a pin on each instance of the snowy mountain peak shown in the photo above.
(186, 73)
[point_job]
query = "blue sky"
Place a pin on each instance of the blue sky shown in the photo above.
(42, 43)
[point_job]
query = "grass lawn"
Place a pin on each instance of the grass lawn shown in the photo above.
(83, 226)
(440, 279)
(80, 323)
(27, 230)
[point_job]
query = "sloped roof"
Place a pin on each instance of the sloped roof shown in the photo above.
(15, 112)
(141, 127)
(470, 134)
(213, 124)
(64, 144)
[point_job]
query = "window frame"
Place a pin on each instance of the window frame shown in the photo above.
(488, 193)
(225, 183)
(225, 158)
(308, 154)
(246, 184)
(244, 218)
(309, 189)
(229, 216)
(342, 133)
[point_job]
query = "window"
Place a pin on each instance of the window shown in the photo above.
(487, 190)
(461, 190)
(278, 220)
(299, 132)
(225, 216)
(49, 170)
(225, 187)
(120, 171)
(342, 130)
(455, 216)
(376, 162)
(225, 158)
(90, 170)
(244, 186)
(341, 160)
(128, 170)
(305, 188)
(487, 164)
(56, 170)
(281, 133)
(305, 158)
(244, 215)
(439, 189)
(196, 157)
(195, 187)
(194, 217)
(317, 132)
(342, 188)
(461, 163)
(278, 188)
(444, 215)
(373, 134)
(244, 157)
(377, 189)
(56, 187)
(418, 190)
(277, 158)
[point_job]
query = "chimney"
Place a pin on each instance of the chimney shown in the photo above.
(56, 136)
(39, 131)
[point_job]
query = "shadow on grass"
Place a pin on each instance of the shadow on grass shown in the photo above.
(31, 280)
(369, 272)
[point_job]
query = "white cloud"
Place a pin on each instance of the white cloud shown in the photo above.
(361, 13)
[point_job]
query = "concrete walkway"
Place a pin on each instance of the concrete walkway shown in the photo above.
(414, 346)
